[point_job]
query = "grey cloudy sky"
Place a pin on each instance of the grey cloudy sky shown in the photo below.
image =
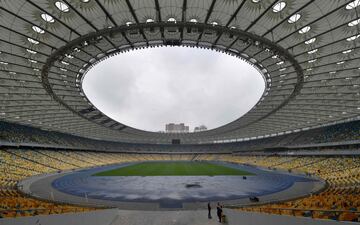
(148, 88)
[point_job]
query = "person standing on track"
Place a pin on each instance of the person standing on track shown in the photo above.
(209, 210)
(219, 211)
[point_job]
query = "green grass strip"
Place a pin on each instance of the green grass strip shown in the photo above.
(174, 169)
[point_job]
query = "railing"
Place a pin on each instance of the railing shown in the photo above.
(12, 213)
(342, 215)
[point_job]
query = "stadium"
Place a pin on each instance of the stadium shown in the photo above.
(293, 158)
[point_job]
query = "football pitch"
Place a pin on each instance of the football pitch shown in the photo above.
(174, 169)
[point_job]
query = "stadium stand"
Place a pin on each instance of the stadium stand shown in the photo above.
(306, 121)
(339, 201)
(14, 167)
(345, 135)
(18, 164)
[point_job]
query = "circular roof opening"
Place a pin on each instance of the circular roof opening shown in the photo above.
(149, 88)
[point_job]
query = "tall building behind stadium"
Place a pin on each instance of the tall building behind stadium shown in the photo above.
(293, 158)
(176, 128)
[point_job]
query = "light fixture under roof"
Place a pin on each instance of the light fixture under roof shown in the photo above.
(312, 61)
(256, 1)
(69, 56)
(47, 18)
(347, 51)
(193, 20)
(171, 19)
(353, 4)
(339, 63)
(279, 63)
(312, 51)
(128, 23)
(31, 51)
(294, 18)
(304, 30)
(38, 30)
(278, 7)
(354, 23)
(352, 38)
(32, 41)
(310, 41)
(150, 20)
(62, 6)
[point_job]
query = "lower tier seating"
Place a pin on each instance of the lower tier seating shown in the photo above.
(340, 201)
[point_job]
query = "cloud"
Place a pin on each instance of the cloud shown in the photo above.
(148, 88)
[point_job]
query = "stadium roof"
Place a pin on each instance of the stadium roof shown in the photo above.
(307, 50)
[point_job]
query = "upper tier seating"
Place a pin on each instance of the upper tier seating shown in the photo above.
(15, 133)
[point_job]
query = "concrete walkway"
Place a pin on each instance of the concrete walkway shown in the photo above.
(194, 217)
